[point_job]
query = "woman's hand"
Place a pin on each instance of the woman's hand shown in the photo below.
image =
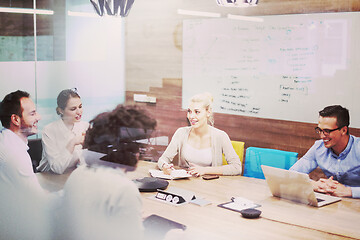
(196, 170)
(77, 140)
(167, 168)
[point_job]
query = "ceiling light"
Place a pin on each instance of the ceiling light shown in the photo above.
(26, 11)
(112, 7)
(237, 3)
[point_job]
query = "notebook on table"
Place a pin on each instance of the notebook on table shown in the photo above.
(295, 186)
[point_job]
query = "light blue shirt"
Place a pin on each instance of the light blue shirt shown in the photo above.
(345, 168)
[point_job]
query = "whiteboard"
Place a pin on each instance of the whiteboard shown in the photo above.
(287, 67)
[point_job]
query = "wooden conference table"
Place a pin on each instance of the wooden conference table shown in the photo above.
(280, 219)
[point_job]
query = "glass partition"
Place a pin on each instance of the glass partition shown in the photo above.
(66, 46)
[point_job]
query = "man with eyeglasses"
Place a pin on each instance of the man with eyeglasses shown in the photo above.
(337, 154)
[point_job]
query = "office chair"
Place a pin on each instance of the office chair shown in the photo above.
(239, 149)
(255, 157)
(35, 152)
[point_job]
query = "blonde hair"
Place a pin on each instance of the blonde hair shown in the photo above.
(207, 99)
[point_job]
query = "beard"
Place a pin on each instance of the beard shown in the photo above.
(27, 129)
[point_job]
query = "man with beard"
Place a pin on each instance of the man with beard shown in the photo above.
(23, 202)
(337, 154)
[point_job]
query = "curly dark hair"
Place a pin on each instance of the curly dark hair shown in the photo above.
(115, 133)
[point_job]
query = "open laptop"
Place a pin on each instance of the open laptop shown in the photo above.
(295, 186)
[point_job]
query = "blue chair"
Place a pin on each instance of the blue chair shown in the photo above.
(255, 157)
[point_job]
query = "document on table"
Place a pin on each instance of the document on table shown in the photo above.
(238, 203)
(175, 174)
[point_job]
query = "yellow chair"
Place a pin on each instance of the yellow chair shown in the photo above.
(239, 149)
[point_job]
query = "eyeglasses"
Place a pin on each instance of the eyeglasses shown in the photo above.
(326, 132)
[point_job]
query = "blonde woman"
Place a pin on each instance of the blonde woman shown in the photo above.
(200, 146)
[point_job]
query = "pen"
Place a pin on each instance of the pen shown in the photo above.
(241, 201)
(187, 163)
(171, 166)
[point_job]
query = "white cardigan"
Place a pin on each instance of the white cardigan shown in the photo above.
(55, 137)
(220, 143)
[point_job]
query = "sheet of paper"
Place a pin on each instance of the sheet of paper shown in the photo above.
(238, 207)
(200, 202)
(239, 203)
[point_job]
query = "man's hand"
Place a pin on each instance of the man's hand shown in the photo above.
(321, 186)
(331, 187)
(341, 190)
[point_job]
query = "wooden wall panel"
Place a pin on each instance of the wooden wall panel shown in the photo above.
(167, 110)
(256, 132)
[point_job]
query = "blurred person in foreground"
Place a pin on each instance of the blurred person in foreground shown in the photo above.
(101, 202)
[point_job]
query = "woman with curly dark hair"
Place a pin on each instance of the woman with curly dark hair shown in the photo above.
(107, 205)
(116, 133)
